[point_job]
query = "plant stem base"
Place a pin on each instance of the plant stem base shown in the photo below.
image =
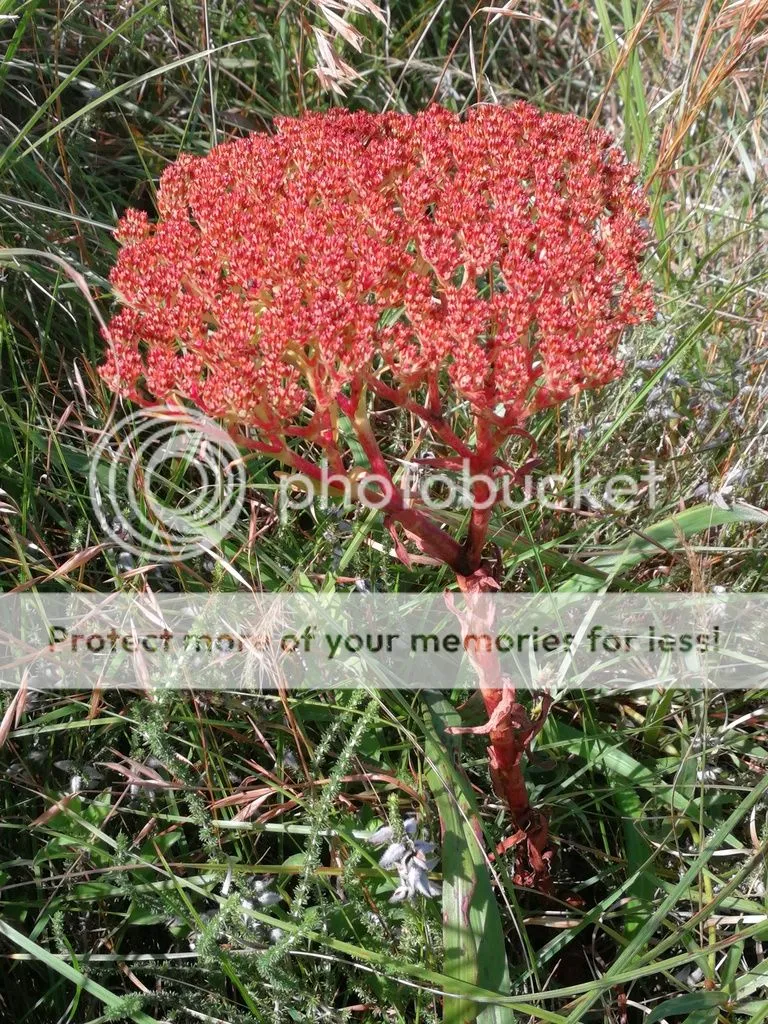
(510, 732)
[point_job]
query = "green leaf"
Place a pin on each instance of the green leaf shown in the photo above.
(639, 853)
(644, 934)
(55, 963)
(679, 1005)
(473, 936)
(664, 536)
(604, 752)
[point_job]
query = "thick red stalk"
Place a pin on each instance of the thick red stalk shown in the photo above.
(509, 728)
(433, 420)
(482, 495)
(500, 699)
(431, 538)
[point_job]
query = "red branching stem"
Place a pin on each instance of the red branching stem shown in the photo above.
(433, 420)
(253, 444)
(483, 495)
(278, 450)
(367, 439)
(430, 538)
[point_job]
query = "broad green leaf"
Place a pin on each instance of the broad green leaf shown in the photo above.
(690, 1003)
(472, 932)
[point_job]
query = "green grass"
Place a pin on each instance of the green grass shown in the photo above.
(657, 800)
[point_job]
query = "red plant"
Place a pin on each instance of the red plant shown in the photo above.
(429, 262)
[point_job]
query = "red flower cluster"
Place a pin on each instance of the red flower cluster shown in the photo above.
(491, 259)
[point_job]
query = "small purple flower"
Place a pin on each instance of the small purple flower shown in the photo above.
(409, 856)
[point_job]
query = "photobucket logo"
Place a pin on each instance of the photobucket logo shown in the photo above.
(166, 483)
(462, 489)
